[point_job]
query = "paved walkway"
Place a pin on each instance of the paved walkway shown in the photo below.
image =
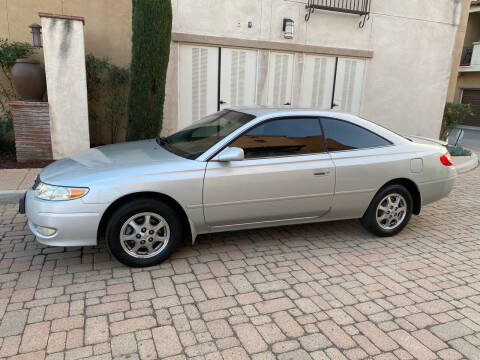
(17, 179)
(323, 291)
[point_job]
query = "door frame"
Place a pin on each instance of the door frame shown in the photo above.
(325, 155)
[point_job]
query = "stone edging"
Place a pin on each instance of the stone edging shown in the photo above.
(469, 165)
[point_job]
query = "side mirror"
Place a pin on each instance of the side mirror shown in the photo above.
(230, 154)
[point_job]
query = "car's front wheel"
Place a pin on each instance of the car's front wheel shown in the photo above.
(389, 211)
(143, 232)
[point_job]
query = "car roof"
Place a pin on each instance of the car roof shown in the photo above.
(258, 111)
(263, 113)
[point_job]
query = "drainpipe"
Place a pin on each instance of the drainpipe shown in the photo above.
(457, 13)
(453, 73)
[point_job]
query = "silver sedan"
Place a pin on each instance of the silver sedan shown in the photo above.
(240, 168)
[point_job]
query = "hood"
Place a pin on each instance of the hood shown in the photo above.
(107, 161)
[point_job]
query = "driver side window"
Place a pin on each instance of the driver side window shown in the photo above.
(282, 137)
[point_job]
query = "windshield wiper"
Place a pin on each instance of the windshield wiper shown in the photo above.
(163, 142)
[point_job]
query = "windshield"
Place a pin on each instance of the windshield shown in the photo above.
(194, 140)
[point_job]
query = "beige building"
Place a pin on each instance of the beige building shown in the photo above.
(395, 69)
(468, 83)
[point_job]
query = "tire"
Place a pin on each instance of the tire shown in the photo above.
(143, 232)
(392, 217)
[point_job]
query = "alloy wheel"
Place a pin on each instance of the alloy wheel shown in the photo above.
(144, 235)
(391, 211)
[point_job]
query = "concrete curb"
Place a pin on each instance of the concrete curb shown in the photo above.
(10, 196)
(469, 165)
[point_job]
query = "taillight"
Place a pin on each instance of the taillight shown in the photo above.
(446, 159)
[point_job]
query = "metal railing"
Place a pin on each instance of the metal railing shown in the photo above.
(466, 56)
(357, 7)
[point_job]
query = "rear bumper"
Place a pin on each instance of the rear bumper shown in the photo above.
(75, 222)
(435, 190)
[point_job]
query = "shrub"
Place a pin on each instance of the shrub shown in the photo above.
(458, 151)
(107, 86)
(454, 115)
(10, 51)
(7, 143)
(151, 35)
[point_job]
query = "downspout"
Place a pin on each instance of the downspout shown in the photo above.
(456, 18)
(457, 13)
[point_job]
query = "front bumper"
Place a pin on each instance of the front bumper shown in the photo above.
(76, 222)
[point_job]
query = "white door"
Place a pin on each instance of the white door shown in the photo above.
(349, 85)
(280, 77)
(238, 85)
(198, 83)
(317, 82)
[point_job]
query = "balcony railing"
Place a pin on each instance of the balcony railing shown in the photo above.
(470, 61)
(357, 7)
(466, 56)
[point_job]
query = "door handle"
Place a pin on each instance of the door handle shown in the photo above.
(321, 173)
(287, 104)
(222, 102)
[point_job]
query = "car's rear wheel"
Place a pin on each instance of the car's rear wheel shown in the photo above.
(389, 211)
(143, 232)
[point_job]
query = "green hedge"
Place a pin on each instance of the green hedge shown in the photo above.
(10, 51)
(458, 151)
(151, 35)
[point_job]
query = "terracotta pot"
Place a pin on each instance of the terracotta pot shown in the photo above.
(28, 78)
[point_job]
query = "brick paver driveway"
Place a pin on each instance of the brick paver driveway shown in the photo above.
(324, 291)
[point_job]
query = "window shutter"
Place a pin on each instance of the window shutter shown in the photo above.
(317, 82)
(280, 78)
(199, 82)
(238, 80)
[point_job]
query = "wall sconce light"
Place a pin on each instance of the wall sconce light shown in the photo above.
(36, 35)
(288, 28)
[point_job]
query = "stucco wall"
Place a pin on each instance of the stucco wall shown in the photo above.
(412, 41)
(108, 25)
(407, 78)
(468, 81)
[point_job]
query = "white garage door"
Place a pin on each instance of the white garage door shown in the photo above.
(213, 78)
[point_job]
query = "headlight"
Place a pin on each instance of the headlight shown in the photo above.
(53, 192)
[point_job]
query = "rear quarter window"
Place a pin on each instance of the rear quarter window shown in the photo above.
(341, 135)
